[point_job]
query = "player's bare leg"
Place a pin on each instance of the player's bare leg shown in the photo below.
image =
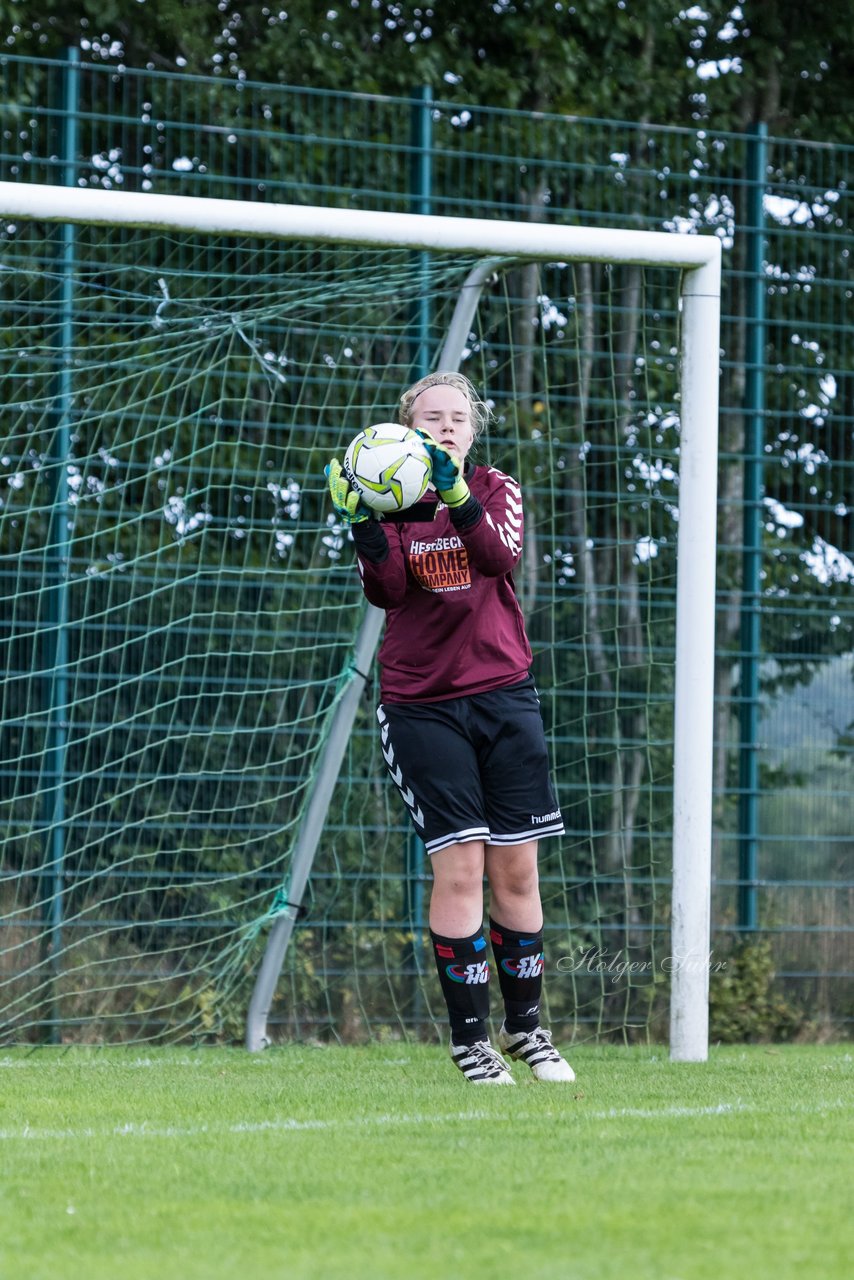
(456, 900)
(514, 886)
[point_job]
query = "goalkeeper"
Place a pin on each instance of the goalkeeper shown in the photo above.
(461, 728)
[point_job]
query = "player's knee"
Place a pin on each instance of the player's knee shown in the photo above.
(526, 889)
(462, 886)
(518, 884)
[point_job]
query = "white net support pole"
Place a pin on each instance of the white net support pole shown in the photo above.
(311, 828)
(699, 259)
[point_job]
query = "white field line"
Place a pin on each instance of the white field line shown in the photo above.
(37, 1061)
(62, 1060)
(291, 1125)
(47, 1058)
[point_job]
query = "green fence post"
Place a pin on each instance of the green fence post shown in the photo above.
(55, 618)
(754, 434)
(421, 184)
(421, 188)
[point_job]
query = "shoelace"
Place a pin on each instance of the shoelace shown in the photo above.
(541, 1040)
(484, 1056)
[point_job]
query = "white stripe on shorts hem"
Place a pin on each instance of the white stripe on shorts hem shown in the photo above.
(536, 833)
(457, 837)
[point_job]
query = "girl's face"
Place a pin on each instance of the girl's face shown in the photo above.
(445, 414)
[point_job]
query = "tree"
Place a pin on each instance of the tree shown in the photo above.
(718, 64)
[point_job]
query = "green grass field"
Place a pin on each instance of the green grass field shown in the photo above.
(384, 1162)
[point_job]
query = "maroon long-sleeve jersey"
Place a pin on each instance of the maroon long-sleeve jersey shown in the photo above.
(453, 622)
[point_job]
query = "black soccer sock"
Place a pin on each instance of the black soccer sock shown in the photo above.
(463, 968)
(519, 963)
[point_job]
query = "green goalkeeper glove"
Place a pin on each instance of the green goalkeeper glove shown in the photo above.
(349, 507)
(448, 476)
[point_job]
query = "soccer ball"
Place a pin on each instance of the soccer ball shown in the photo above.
(388, 466)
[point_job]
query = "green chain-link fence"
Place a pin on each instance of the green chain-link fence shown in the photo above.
(785, 671)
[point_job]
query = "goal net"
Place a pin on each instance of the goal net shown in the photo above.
(179, 608)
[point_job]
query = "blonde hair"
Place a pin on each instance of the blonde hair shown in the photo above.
(479, 409)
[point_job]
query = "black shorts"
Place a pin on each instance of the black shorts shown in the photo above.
(473, 768)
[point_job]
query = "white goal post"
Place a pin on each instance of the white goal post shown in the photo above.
(698, 258)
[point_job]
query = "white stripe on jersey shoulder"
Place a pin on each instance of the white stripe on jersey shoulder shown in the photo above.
(510, 484)
(509, 537)
(509, 530)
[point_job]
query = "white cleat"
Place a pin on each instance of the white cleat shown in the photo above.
(536, 1048)
(480, 1063)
